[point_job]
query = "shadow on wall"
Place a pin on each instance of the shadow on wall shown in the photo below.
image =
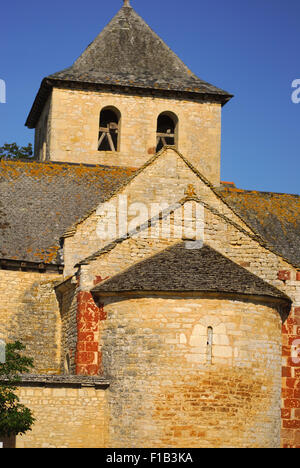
(36, 323)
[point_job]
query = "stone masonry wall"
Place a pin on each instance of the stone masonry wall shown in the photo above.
(291, 381)
(165, 180)
(235, 244)
(89, 316)
(230, 240)
(65, 418)
(165, 393)
(75, 129)
(29, 313)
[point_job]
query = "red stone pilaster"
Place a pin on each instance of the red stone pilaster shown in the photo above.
(290, 412)
(89, 316)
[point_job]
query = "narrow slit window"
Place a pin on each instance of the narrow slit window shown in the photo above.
(209, 345)
(109, 130)
(166, 133)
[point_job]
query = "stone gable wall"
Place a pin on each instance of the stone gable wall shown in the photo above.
(219, 233)
(166, 180)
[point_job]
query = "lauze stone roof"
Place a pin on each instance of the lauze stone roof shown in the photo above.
(127, 53)
(275, 216)
(40, 201)
(180, 269)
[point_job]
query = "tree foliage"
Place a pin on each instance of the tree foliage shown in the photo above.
(15, 418)
(12, 151)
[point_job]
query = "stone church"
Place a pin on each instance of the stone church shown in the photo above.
(161, 305)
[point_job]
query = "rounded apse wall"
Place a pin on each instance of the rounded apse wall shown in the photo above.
(192, 371)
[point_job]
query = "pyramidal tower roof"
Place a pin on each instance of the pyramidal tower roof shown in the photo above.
(128, 53)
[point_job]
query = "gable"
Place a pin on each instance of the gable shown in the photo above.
(220, 234)
(35, 211)
(166, 179)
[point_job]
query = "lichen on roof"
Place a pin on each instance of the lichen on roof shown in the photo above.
(274, 216)
(39, 201)
(180, 269)
(128, 53)
(129, 50)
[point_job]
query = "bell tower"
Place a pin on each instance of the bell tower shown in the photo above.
(125, 98)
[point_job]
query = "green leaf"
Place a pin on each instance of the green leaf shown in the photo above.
(15, 418)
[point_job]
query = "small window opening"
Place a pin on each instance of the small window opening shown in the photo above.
(109, 131)
(166, 130)
(209, 345)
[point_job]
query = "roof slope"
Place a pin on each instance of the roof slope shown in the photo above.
(275, 216)
(39, 201)
(128, 53)
(180, 269)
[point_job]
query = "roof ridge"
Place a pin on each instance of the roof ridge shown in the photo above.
(65, 163)
(239, 190)
(71, 231)
(129, 15)
(260, 286)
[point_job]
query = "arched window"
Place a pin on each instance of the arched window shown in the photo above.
(166, 133)
(109, 129)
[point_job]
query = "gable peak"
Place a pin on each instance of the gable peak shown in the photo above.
(129, 56)
(127, 52)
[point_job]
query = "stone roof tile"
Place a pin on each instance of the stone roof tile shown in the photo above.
(39, 201)
(274, 216)
(180, 269)
(128, 53)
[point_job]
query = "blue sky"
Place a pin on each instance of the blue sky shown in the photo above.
(248, 47)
